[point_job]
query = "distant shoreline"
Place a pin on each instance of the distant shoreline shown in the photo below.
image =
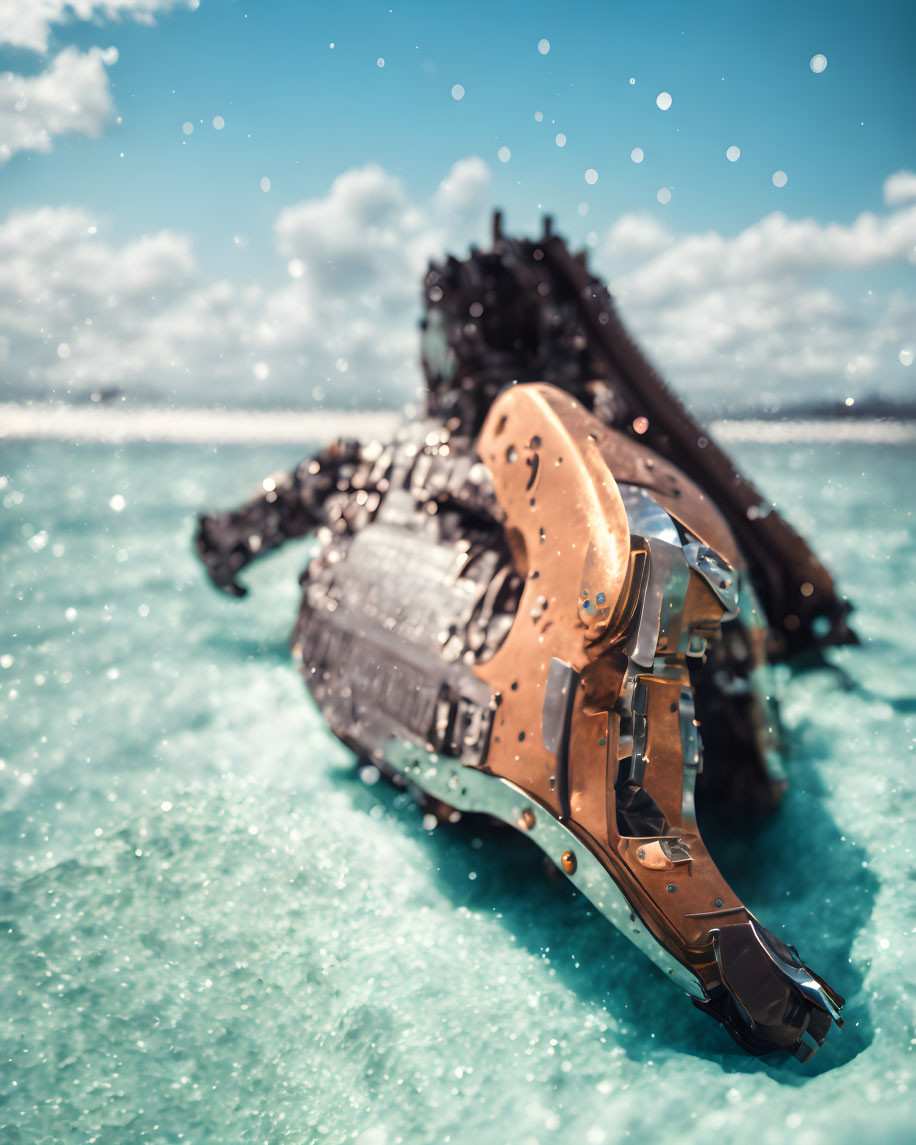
(118, 425)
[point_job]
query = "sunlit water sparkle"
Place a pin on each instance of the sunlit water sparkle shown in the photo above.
(215, 931)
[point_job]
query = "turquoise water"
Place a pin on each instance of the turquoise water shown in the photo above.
(214, 932)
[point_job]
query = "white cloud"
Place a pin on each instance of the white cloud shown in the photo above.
(775, 247)
(61, 282)
(363, 250)
(465, 190)
(363, 232)
(72, 95)
(755, 313)
(636, 236)
(140, 316)
(783, 308)
(55, 267)
(27, 23)
(900, 188)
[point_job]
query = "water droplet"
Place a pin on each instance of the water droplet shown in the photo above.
(818, 63)
(663, 100)
(906, 357)
(561, 139)
(295, 268)
(457, 91)
(504, 154)
(261, 371)
(664, 195)
(780, 178)
(117, 503)
(543, 47)
(637, 155)
(188, 128)
(733, 154)
(63, 350)
(265, 184)
(380, 62)
(591, 176)
(218, 122)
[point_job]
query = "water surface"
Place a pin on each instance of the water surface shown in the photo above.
(213, 932)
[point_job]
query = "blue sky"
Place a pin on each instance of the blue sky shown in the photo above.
(301, 113)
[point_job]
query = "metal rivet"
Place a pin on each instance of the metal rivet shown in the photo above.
(526, 820)
(672, 888)
(641, 854)
(718, 902)
(569, 862)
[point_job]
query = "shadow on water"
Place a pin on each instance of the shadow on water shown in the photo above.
(793, 869)
(809, 885)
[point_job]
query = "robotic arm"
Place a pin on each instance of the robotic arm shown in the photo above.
(289, 505)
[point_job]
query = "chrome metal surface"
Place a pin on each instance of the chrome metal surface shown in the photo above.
(693, 757)
(558, 702)
(660, 621)
(647, 518)
(721, 578)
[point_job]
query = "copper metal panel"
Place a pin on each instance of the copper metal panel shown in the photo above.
(549, 472)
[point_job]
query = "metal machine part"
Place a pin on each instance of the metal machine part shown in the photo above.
(519, 610)
(530, 310)
(497, 679)
(620, 777)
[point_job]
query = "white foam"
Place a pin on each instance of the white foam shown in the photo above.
(60, 421)
(804, 432)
